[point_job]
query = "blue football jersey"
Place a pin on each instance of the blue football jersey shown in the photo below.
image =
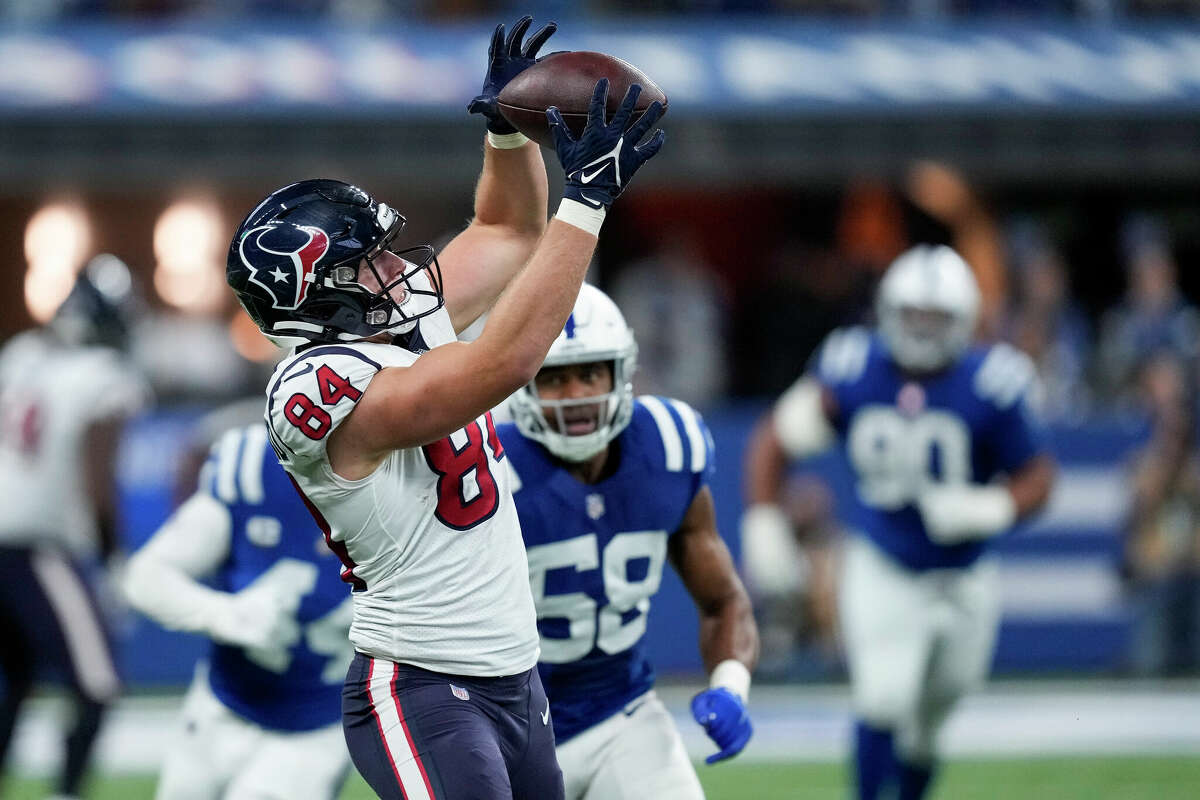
(967, 423)
(596, 554)
(298, 688)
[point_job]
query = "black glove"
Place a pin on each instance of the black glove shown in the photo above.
(506, 58)
(600, 163)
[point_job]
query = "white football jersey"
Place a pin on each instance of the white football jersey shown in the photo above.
(49, 395)
(430, 541)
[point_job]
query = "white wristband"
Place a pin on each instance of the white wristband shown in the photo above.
(958, 513)
(581, 215)
(772, 561)
(507, 141)
(731, 674)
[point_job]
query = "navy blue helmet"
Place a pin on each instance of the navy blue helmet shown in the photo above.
(101, 306)
(297, 264)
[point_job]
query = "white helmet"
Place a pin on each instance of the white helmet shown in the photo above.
(927, 305)
(595, 331)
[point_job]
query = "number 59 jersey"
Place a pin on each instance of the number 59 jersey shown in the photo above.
(429, 541)
(965, 424)
(596, 555)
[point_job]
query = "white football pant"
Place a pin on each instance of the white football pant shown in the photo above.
(916, 642)
(634, 754)
(220, 755)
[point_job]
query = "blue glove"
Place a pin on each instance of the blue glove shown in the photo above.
(506, 58)
(724, 719)
(600, 163)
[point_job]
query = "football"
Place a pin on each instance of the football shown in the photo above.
(567, 80)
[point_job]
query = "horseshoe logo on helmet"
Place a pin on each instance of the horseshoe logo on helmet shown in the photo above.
(287, 284)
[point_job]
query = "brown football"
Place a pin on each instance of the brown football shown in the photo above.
(567, 80)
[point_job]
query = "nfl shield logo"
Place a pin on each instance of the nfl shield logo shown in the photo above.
(911, 399)
(461, 694)
(595, 506)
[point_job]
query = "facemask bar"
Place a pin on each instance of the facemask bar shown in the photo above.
(923, 338)
(605, 405)
(385, 312)
(570, 447)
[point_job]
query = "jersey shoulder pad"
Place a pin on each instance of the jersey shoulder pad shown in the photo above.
(314, 389)
(1002, 375)
(843, 356)
(673, 434)
(233, 472)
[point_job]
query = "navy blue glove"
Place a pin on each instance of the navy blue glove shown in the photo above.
(506, 58)
(725, 720)
(600, 163)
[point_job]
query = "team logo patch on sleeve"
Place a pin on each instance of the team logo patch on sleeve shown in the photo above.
(304, 245)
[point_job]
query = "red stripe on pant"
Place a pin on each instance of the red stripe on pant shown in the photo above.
(409, 754)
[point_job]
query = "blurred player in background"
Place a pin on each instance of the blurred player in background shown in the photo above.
(66, 391)
(607, 489)
(946, 460)
(262, 717)
(380, 417)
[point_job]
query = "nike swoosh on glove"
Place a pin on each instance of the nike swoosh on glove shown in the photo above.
(724, 718)
(506, 59)
(599, 164)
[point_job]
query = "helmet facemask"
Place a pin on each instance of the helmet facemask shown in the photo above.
(927, 307)
(595, 333)
(608, 414)
(395, 302)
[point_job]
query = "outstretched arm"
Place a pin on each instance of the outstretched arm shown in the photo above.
(510, 218)
(162, 581)
(450, 385)
(510, 198)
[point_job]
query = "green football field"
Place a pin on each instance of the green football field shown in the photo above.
(1096, 778)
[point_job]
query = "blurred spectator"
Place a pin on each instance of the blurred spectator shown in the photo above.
(676, 306)
(943, 193)
(1046, 323)
(1153, 317)
(871, 228)
(1162, 547)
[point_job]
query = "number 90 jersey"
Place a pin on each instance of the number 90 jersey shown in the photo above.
(965, 424)
(596, 555)
(429, 541)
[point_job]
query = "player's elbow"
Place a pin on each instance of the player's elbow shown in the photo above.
(517, 365)
(135, 582)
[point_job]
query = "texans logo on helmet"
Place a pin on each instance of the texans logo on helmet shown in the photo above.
(304, 245)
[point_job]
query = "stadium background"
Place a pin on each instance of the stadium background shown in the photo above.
(808, 143)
